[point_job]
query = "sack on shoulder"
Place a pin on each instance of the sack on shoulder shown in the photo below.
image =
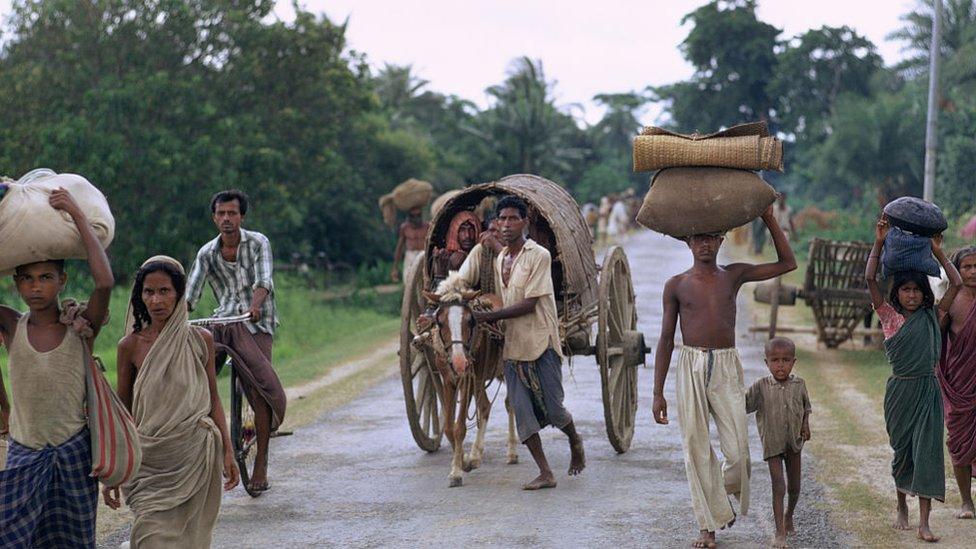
(116, 453)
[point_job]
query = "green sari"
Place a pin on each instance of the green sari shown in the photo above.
(913, 407)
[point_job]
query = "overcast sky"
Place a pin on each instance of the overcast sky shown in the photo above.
(586, 46)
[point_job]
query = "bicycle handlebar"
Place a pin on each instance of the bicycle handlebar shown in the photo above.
(220, 321)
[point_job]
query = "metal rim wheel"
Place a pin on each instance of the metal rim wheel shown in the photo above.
(420, 385)
(243, 433)
(619, 348)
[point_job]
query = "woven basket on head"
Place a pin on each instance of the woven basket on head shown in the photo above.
(744, 147)
(412, 193)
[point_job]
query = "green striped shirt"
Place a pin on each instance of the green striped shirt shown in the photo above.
(233, 284)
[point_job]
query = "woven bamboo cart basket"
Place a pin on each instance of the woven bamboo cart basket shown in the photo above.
(835, 288)
(595, 305)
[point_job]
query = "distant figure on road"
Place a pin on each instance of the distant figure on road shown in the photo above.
(603, 217)
(784, 216)
(167, 378)
(533, 363)
(957, 377)
(710, 374)
(410, 244)
(619, 219)
(238, 265)
(913, 407)
(782, 408)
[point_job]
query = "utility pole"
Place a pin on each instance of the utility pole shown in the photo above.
(932, 124)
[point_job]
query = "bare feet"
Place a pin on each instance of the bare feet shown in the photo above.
(788, 525)
(901, 519)
(544, 480)
(966, 511)
(925, 534)
(706, 540)
(779, 542)
(577, 460)
(455, 482)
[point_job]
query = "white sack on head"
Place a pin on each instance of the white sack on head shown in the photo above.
(31, 230)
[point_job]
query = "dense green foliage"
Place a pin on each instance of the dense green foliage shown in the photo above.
(855, 129)
(162, 103)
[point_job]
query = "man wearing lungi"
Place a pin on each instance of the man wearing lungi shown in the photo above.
(710, 374)
(48, 497)
(238, 266)
(532, 355)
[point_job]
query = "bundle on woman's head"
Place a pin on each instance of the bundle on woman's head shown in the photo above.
(908, 246)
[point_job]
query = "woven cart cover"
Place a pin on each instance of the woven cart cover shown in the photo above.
(745, 147)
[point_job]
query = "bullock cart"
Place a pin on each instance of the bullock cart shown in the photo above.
(595, 305)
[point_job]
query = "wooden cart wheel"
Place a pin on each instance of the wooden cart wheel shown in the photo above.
(619, 348)
(420, 385)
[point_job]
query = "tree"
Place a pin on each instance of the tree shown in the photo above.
(876, 148)
(733, 54)
(813, 71)
(524, 131)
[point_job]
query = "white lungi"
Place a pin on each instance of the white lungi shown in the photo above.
(710, 383)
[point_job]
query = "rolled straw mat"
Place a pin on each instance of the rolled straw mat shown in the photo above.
(745, 147)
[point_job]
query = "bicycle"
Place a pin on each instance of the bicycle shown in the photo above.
(243, 433)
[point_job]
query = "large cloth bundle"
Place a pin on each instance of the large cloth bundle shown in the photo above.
(687, 201)
(745, 147)
(916, 216)
(412, 193)
(31, 230)
(904, 251)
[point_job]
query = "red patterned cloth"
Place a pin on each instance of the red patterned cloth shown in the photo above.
(957, 377)
(452, 232)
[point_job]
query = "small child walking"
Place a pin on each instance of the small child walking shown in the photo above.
(782, 409)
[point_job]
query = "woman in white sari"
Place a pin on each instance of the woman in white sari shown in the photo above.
(166, 377)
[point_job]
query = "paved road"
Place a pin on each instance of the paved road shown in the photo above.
(354, 478)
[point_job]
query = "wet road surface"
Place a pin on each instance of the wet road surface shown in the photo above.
(355, 478)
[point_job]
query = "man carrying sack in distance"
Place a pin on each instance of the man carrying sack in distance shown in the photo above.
(238, 264)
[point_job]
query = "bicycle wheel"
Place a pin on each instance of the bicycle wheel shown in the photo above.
(243, 434)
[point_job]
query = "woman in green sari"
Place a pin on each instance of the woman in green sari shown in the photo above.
(913, 401)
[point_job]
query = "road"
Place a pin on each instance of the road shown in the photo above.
(354, 477)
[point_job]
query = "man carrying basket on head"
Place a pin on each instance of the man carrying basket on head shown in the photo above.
(238, 264)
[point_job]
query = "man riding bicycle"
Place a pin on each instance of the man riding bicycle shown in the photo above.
(237, 264)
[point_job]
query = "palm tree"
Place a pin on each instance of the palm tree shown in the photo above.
(619, 125)
(958, 39)
(397, 87)
(525, 130)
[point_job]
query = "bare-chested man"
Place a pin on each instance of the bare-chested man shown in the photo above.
(710, 374)
(410, 243)
(957, 377)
